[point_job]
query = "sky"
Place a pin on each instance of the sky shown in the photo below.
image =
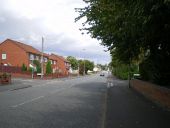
(28, 21)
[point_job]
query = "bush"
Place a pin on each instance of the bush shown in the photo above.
(48, 68)
(122, 71)
(24, 67)
(38, 66)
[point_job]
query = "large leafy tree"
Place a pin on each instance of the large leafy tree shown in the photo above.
(89, 65)
(131, 29)
(73, 61)
(85, 65)
(110, 21)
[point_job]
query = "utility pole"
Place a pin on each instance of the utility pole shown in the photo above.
(84, 67)
(32, 70)
(78, 69)
(42, 59)
(84, 64)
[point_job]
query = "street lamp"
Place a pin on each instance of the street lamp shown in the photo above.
(84, 64)
(42, 59)
(78, 68)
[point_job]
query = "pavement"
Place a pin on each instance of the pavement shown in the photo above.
(128, 109)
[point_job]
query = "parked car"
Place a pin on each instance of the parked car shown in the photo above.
(102, 74)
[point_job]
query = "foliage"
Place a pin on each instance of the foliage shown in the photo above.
(131, 29)
(30, 69)
(73, 61)
(156, 70)
(38, 66)
(48, 68)
(87, 64)
(121, 70)
(81, 67)
(24, 67)
(103, 67)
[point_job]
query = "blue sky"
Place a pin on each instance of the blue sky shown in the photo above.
(28, 20)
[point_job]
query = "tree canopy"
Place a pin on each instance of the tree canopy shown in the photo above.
(131, 29)
(85, 64)
(73, 61)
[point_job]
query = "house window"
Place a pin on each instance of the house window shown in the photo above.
(31, 57)
(4, 56)
(54, 62)
(51, 61)
(45, 59)
(37, 57)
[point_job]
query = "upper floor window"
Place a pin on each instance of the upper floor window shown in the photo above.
(45, 59)
(51, 61)
(54, 62)
(37, 57)
(31, 57)
(3, 56)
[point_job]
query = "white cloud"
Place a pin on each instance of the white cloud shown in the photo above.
(29, 20)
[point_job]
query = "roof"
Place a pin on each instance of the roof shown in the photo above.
(51, 57)
(26, 47)
(54, 56)
(46, 55)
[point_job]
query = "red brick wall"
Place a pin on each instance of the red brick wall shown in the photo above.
(154, 92)
(14, 54)
(61, 65)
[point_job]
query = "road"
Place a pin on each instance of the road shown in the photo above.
(84, 102)
(64, 103)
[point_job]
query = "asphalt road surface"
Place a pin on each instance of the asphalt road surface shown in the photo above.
(64, 103)
(86, 102)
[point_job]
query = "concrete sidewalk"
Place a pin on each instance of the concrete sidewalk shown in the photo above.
(128, 109)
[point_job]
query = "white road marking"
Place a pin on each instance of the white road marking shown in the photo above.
(28, 101)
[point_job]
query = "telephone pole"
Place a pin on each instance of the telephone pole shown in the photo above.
(42, 59)
(84, 64)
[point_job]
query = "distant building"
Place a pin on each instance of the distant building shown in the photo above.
(96, 69)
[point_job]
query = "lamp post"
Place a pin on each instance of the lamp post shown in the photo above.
(84, 68)
(42, 59)
(78, 69)
(84, 64)
(32, 71)
(78, 64)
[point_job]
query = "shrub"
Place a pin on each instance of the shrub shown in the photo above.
(24, 67)
(122, 71)
(48, 68)
(38, 65)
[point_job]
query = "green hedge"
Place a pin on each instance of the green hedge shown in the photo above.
(122, 71)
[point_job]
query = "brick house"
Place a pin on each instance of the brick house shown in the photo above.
(14, 53)
(62, 66)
